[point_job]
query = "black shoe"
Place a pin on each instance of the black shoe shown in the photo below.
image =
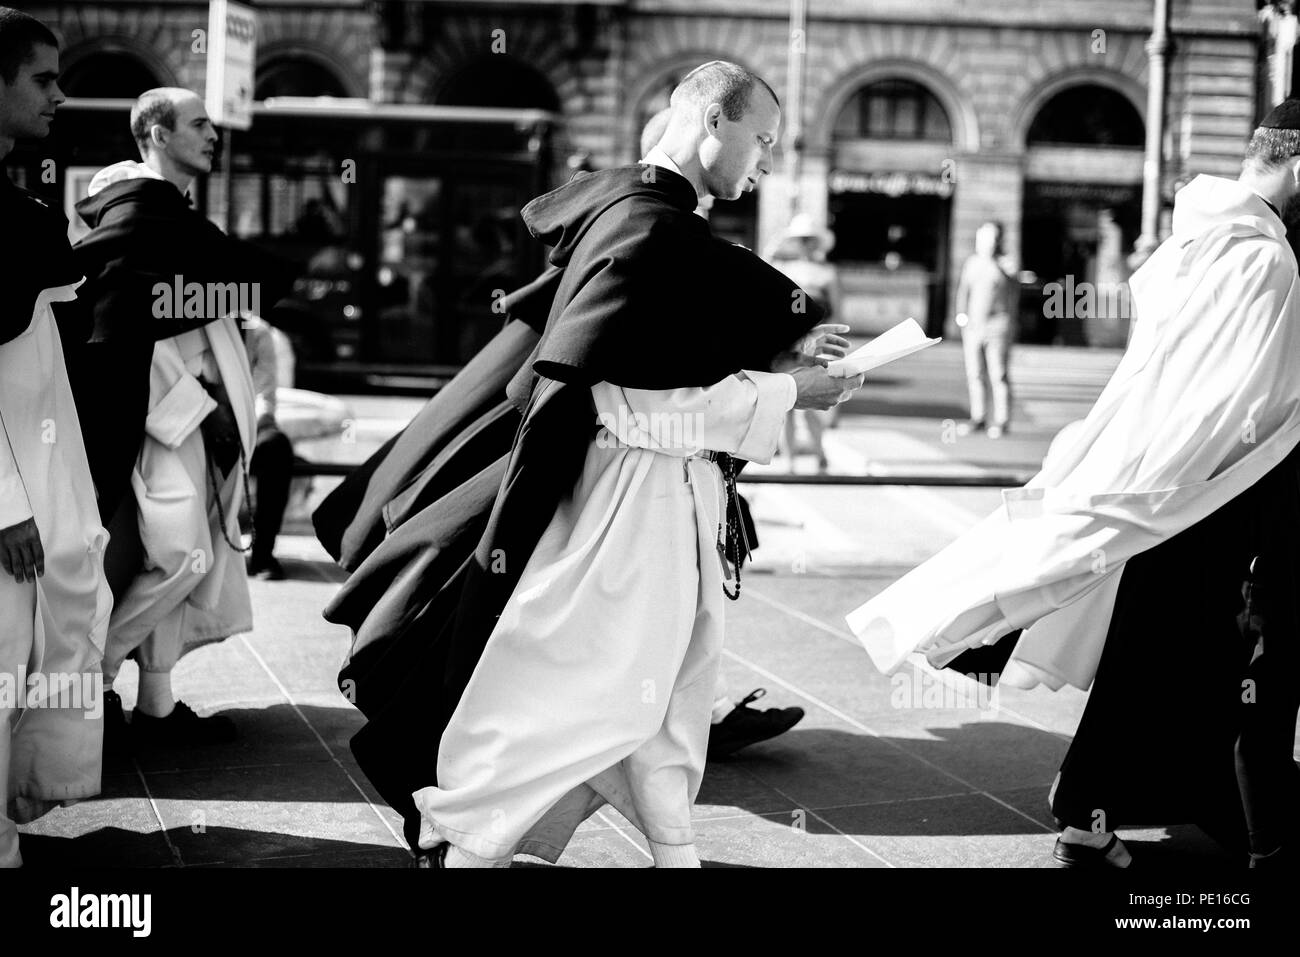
(117, 734)
(1083, 855)
(435, 858)
(182, 726)
(1272, 861)
(265, 567)
(746, 726)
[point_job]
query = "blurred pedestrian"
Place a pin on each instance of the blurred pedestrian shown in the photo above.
(54, 599)
(801, 253)
(987, 298)
(271, 466)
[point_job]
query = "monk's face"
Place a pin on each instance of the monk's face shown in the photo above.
(27, 104)
(736, 154)
(192, 144)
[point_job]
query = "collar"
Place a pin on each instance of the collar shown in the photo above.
(1276, 211)
(659, 158)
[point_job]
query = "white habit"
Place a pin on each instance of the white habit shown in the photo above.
(1204, 403)
(597, 683)
(54, 626)
(193, 588)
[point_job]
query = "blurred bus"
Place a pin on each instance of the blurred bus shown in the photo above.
(404, 218)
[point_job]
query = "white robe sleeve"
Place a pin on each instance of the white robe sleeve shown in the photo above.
(742, 415)
(177, 400)
(14, 504)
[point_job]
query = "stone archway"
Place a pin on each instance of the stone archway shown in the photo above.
(112, 68)
(961, 113)
(1045, 91)
(290, 65)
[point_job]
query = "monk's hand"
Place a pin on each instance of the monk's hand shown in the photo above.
(21, 552)
(825, 341)
(818, 389)
(790, 361)
(221, 437)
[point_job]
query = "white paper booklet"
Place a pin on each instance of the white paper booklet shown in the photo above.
(902, 340)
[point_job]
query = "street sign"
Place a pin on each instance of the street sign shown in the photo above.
(232, 52)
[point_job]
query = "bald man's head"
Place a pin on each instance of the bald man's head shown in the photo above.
(654, 129)
(718, 81)
(727, 118)
(156, 108)
(172, 130)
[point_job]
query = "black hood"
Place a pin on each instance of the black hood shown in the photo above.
(34, 256)
(646, 296)
(144, 194)
(562, 217)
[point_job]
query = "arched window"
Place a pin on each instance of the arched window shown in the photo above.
(1088, 115)
(893, 110)
(290, 75)
(108, 74)
(501, 82)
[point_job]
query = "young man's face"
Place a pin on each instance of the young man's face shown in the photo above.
(738, 153)
(192, 144)
(27, 104)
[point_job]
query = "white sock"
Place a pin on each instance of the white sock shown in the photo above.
(458, 857)
(1118, 854)
(674, 855)
(155, 697)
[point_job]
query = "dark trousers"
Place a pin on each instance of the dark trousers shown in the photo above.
(272, 468)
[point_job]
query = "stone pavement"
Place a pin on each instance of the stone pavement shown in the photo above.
(881, 773)
(870, 778)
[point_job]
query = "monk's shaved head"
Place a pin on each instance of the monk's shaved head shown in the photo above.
(655, 129)
(723, 123)
(718, 81)
(156, 107)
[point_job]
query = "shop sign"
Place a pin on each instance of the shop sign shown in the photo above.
(890, 184)
(232, 51)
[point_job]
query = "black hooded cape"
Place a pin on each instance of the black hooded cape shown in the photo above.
(143, 232)
(431, 456)
(34, 256)
(648, 299)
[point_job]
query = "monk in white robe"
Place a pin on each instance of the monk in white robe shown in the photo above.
(596, 683)
(54, 599)
(197, 431)
(1204, 405)
(632, 555)
(193, 588)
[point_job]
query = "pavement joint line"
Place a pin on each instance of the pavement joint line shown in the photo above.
(836, 712)
(625, 836)
(158, 772)
(397, 840)
(932, 672)
(848, 837)
(162, 825)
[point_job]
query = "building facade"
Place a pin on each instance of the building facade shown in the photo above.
(919, 119)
